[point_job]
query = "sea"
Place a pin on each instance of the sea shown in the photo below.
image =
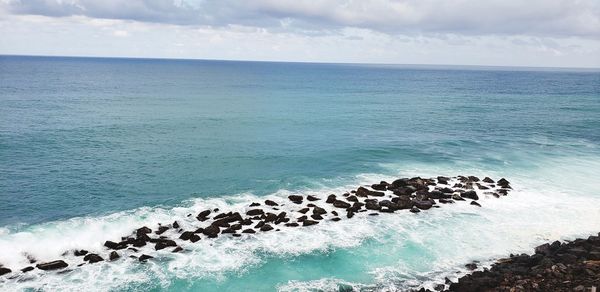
(93, 148)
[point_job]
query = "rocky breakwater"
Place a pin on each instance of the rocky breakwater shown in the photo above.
(556, 266)
(296, 211)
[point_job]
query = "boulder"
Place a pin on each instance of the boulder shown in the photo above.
(488, 180)
(312, 198)
(81, 252)
(211, 231)
(249, 230)
(423, 205)
(145, 257)
(186, 235)
(330, 199)
(266, 227)
(303, 210)
(114, 245)
(161, 229)
(142, 231)
(254, 204)
(54, 265)
(295, 199)
(414, 209)
(309, 222)
(93, 258)
(293, 224)
(341, 204)
(113, 256)
(271, 203)
(164, 243)
(177, 249)
(399, 183)
(175, 224)
(4, 271)
(443, 180)
(470, 195)
(25, 270)
(475, 204)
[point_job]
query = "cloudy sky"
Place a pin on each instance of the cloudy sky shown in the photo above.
(555, 33)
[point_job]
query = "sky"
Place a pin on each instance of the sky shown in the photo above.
(545, 33)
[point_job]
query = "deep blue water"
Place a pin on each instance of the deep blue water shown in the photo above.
(95, 136)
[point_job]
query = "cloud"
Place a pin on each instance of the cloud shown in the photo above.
(558, 18)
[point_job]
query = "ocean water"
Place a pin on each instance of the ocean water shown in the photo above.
(92, 148)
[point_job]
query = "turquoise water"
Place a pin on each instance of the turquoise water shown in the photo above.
(92, 148)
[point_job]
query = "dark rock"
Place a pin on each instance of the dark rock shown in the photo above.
(446, 201)
(399, 183)
(303, 210)
(341, 204)
(330, 199)
(302, 218)
(186, 235)
(312, 198)
(309, 222)
(113, 256)
(211, 231)
(266, 227)
(414, 209)
(488, 180)
(161, 230)
(503, 183)
(93, 258)
(335, 219)
(145, 257)
(54, 265)
(380, 186)
(372, 204)
(471, 266)
(25, 270)
(316, 216)
(255, 212)
(470, 195)
(177, 249)
(114, 245)
(254, 204)
(352, 199)
(4, 271)
(443, 180)
(142, 231)
(473, 178)
(293, 224)
(475, 204)
(423, 205)
(81, 252)
(319, 210)
(260, 224)
(175, 225)
(249, 231)
(296, 199)
(271, 203)
(164, 243)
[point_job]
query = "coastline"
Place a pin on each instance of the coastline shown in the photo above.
(554, 266)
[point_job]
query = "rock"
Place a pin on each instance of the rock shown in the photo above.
(113, 256)
(293, 224)
(503, 183)
(372, 205)
(341, 204)
(187, 235)
(335, 219)
(312, 198)
(471, 266)
(330, 199)
(177, 249)
(423, 205)
(457, 197)
(81, 252)
(204, 213)
(352, 199)
(446, 201)
(443, 180)
(309, 222)
(145, 257)
(249, 231)
(363, 192)
(175, 225)
(470, 195)
(164, 243)
(475, 204)
(271, 203)
(382, 186)
(114, 245)
(142, 231)
(295, 199)
(161, 230)
(304, 210)
(54, 265)
(543, 249)
(319, 210)
(316, 216)
(399, 183)
(4, 271)
(415, 209)
(93, 258)
(266, 227)
(25, 270)
(254, 204)
(255, 212)
(439, 287)
(488, 180)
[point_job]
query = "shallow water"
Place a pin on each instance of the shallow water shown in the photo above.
(92, 148)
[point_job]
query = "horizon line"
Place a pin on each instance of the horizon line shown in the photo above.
(522, 67)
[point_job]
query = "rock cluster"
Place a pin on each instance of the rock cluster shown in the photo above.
(411, 194)
(556, 266)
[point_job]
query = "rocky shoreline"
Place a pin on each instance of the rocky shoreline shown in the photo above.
(296, 211)
(557, 266)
